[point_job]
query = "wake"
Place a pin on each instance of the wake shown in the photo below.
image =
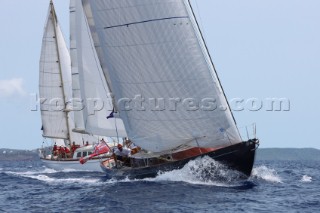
(45, 176)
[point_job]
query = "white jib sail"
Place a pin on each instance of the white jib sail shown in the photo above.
(89, 81)
(54, 61)
(162, 76)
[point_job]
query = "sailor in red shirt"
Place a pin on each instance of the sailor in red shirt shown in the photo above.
(73, 147)
(68, 153)
(55, 150)
(62, 152)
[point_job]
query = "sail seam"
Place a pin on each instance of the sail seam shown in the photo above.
(146, 21)
(159, 82)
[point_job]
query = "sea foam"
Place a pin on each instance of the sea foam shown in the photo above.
(203, 171)
(306, 178)
(267, 174)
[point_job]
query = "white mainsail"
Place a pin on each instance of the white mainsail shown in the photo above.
(90, 84)
(153, 53)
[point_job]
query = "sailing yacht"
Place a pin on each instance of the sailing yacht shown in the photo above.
(150, 63)
(55, 88)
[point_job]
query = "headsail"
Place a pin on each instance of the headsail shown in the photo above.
(156, 59)
(89, 81)
(76, 91)
(54, 68)
(55, 86)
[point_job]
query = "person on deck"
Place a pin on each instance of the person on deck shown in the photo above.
(68, 153)
(74, 147)
(130, 145)
(122, 154)
(87, 143)
(55, 150)
(62, 152)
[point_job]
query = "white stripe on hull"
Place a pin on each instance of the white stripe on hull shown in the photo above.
(91, 165)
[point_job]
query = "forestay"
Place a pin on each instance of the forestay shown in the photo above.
(89, 83)
(161, 74)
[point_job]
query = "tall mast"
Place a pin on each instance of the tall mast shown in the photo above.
(54, 19)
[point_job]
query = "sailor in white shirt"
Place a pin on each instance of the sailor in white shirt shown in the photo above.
(121, 153)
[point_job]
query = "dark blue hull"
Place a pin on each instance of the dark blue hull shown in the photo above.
(239, 157)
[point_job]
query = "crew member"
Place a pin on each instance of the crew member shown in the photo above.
(62, 152)
(130, 145)
(122, 154)
(68, 153)
(74, 147)
(55, 150)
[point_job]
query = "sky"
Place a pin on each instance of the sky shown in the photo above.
(262, 50)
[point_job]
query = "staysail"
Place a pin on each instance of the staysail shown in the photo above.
(89, 82)
(54, 66)
(161, 74)
(76, 91)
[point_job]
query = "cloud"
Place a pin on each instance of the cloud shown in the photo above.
(11, 87)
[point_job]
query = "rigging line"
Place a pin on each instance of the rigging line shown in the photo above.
(146, 21)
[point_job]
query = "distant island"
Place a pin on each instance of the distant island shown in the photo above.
(288, 154)
(262, 154)
(18, 155)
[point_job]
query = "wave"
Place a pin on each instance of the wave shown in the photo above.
(47, 170)
(43, 176)
(267, 174)
(67, 170)
(124, 180)
(22, 173)
(52, 180)
(201, 171)
(306, 178)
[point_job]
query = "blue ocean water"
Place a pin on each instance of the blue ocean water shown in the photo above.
(275, 186)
